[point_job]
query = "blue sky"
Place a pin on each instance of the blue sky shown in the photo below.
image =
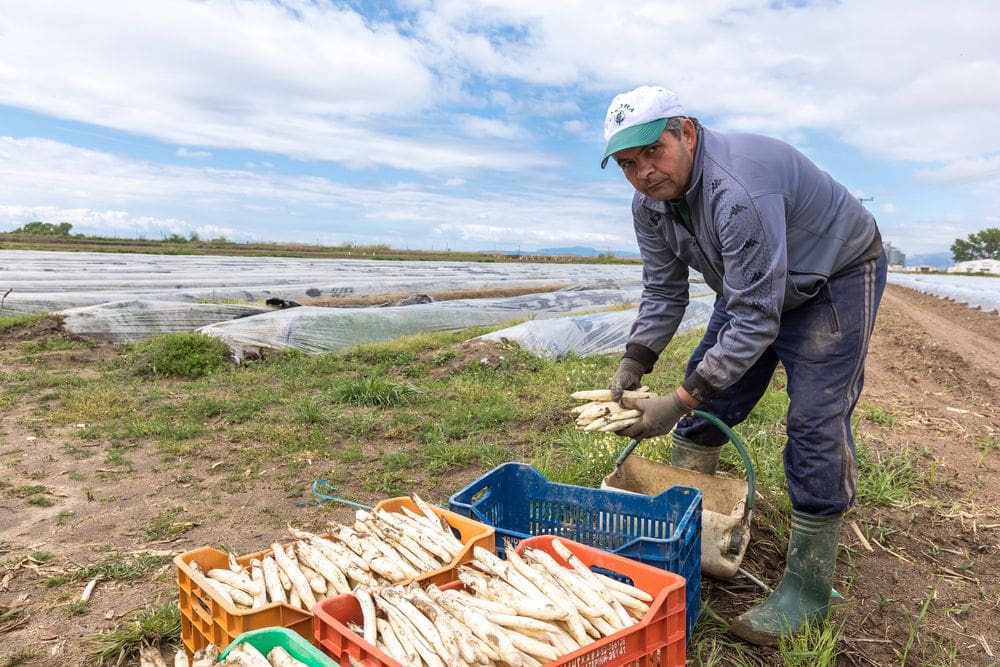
(474, 124)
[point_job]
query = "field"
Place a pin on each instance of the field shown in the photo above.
(113, 461)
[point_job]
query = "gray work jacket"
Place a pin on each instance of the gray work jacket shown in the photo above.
(766, 228)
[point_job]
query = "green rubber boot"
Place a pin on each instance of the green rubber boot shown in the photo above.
(803, 596)
(692, 456)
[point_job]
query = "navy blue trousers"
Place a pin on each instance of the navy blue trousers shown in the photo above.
(822, 346)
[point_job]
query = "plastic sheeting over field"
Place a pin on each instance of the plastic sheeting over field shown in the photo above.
(52, 281)
(126, 321)
(975, 291)
(599, 333)
(315, 330)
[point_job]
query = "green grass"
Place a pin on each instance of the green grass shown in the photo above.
(155, 625)
(167, 524)
(813, 646)
(113, 567)
(186, 355)
(876, 414)
(374, 391)
(891, 480)
(9, 322)
(25, 656)
(55, 343)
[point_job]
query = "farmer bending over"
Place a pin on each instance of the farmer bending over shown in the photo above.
(798, 268)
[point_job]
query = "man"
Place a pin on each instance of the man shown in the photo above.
(798, 267)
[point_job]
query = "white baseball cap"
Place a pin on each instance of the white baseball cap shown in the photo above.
(637, 118)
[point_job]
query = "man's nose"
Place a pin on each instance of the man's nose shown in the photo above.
(644, 166)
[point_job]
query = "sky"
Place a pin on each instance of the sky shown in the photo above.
(475, 124)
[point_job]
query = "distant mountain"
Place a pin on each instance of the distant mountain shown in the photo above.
(573, 251)
(937, 260)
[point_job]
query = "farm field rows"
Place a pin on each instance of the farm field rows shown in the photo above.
(108, 469)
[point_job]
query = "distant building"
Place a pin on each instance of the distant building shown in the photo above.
(895, 257)
(977, 266)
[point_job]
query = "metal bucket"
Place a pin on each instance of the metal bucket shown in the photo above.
(726, 505)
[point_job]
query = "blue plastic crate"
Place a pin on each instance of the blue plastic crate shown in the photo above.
(663, 530)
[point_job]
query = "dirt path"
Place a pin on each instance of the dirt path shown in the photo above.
(935, 364)
(927, 593)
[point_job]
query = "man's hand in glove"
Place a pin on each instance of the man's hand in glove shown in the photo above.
(659, 415)
(627, 376)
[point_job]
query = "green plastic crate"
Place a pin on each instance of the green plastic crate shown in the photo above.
(266, 639)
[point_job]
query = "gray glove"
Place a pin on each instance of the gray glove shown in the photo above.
(659, 415)
(627, 376)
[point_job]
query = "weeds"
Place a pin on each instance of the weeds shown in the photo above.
(23, 657)
(374, 391)
(915, 626)
(186, 355)
(890, 480)
(813, 646)
(167, 524)
(114, 567)
(121, 646)
(9, 322)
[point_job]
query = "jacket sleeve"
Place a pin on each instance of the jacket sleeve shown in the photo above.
(754, 255)
(665, 288)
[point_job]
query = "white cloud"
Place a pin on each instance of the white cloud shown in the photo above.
(463, 89)
(197, 155)
(108, 223)
(977, 170)
(305, 207)
(889, 208)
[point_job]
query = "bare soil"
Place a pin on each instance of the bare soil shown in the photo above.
(925, 586)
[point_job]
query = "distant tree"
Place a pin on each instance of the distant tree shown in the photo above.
(39, 228)
(981, 245)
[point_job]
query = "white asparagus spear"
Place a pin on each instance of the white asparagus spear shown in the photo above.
(595, 425)
(232, 579)
(402, 622)
(390, 643)
(275, 591)
(257, 575)
(327, 568)
(316, 581)
(205, 656)
(605, 394)
(420, 621)
(533, 647)
(436, 615)
(424, 507)
(620, 425)
(594, 605)
(364, 598)
(279, 657)
(622, 587)
(294, 574)
(430, 539)
(494, 636)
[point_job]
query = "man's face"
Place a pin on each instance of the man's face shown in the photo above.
(662, 169)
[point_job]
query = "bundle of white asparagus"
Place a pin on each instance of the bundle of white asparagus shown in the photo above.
(379, 548)
(601, 414)
(523, 611)
(241, 655)
(203, 657)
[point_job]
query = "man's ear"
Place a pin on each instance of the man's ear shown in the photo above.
(689, 133)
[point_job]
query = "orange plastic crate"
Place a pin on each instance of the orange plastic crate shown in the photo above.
(207, 619)
(655, 641)
(469, 532)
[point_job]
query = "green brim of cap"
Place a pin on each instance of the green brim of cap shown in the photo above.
(630, 137)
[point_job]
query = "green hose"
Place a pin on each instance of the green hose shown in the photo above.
(733, 438)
